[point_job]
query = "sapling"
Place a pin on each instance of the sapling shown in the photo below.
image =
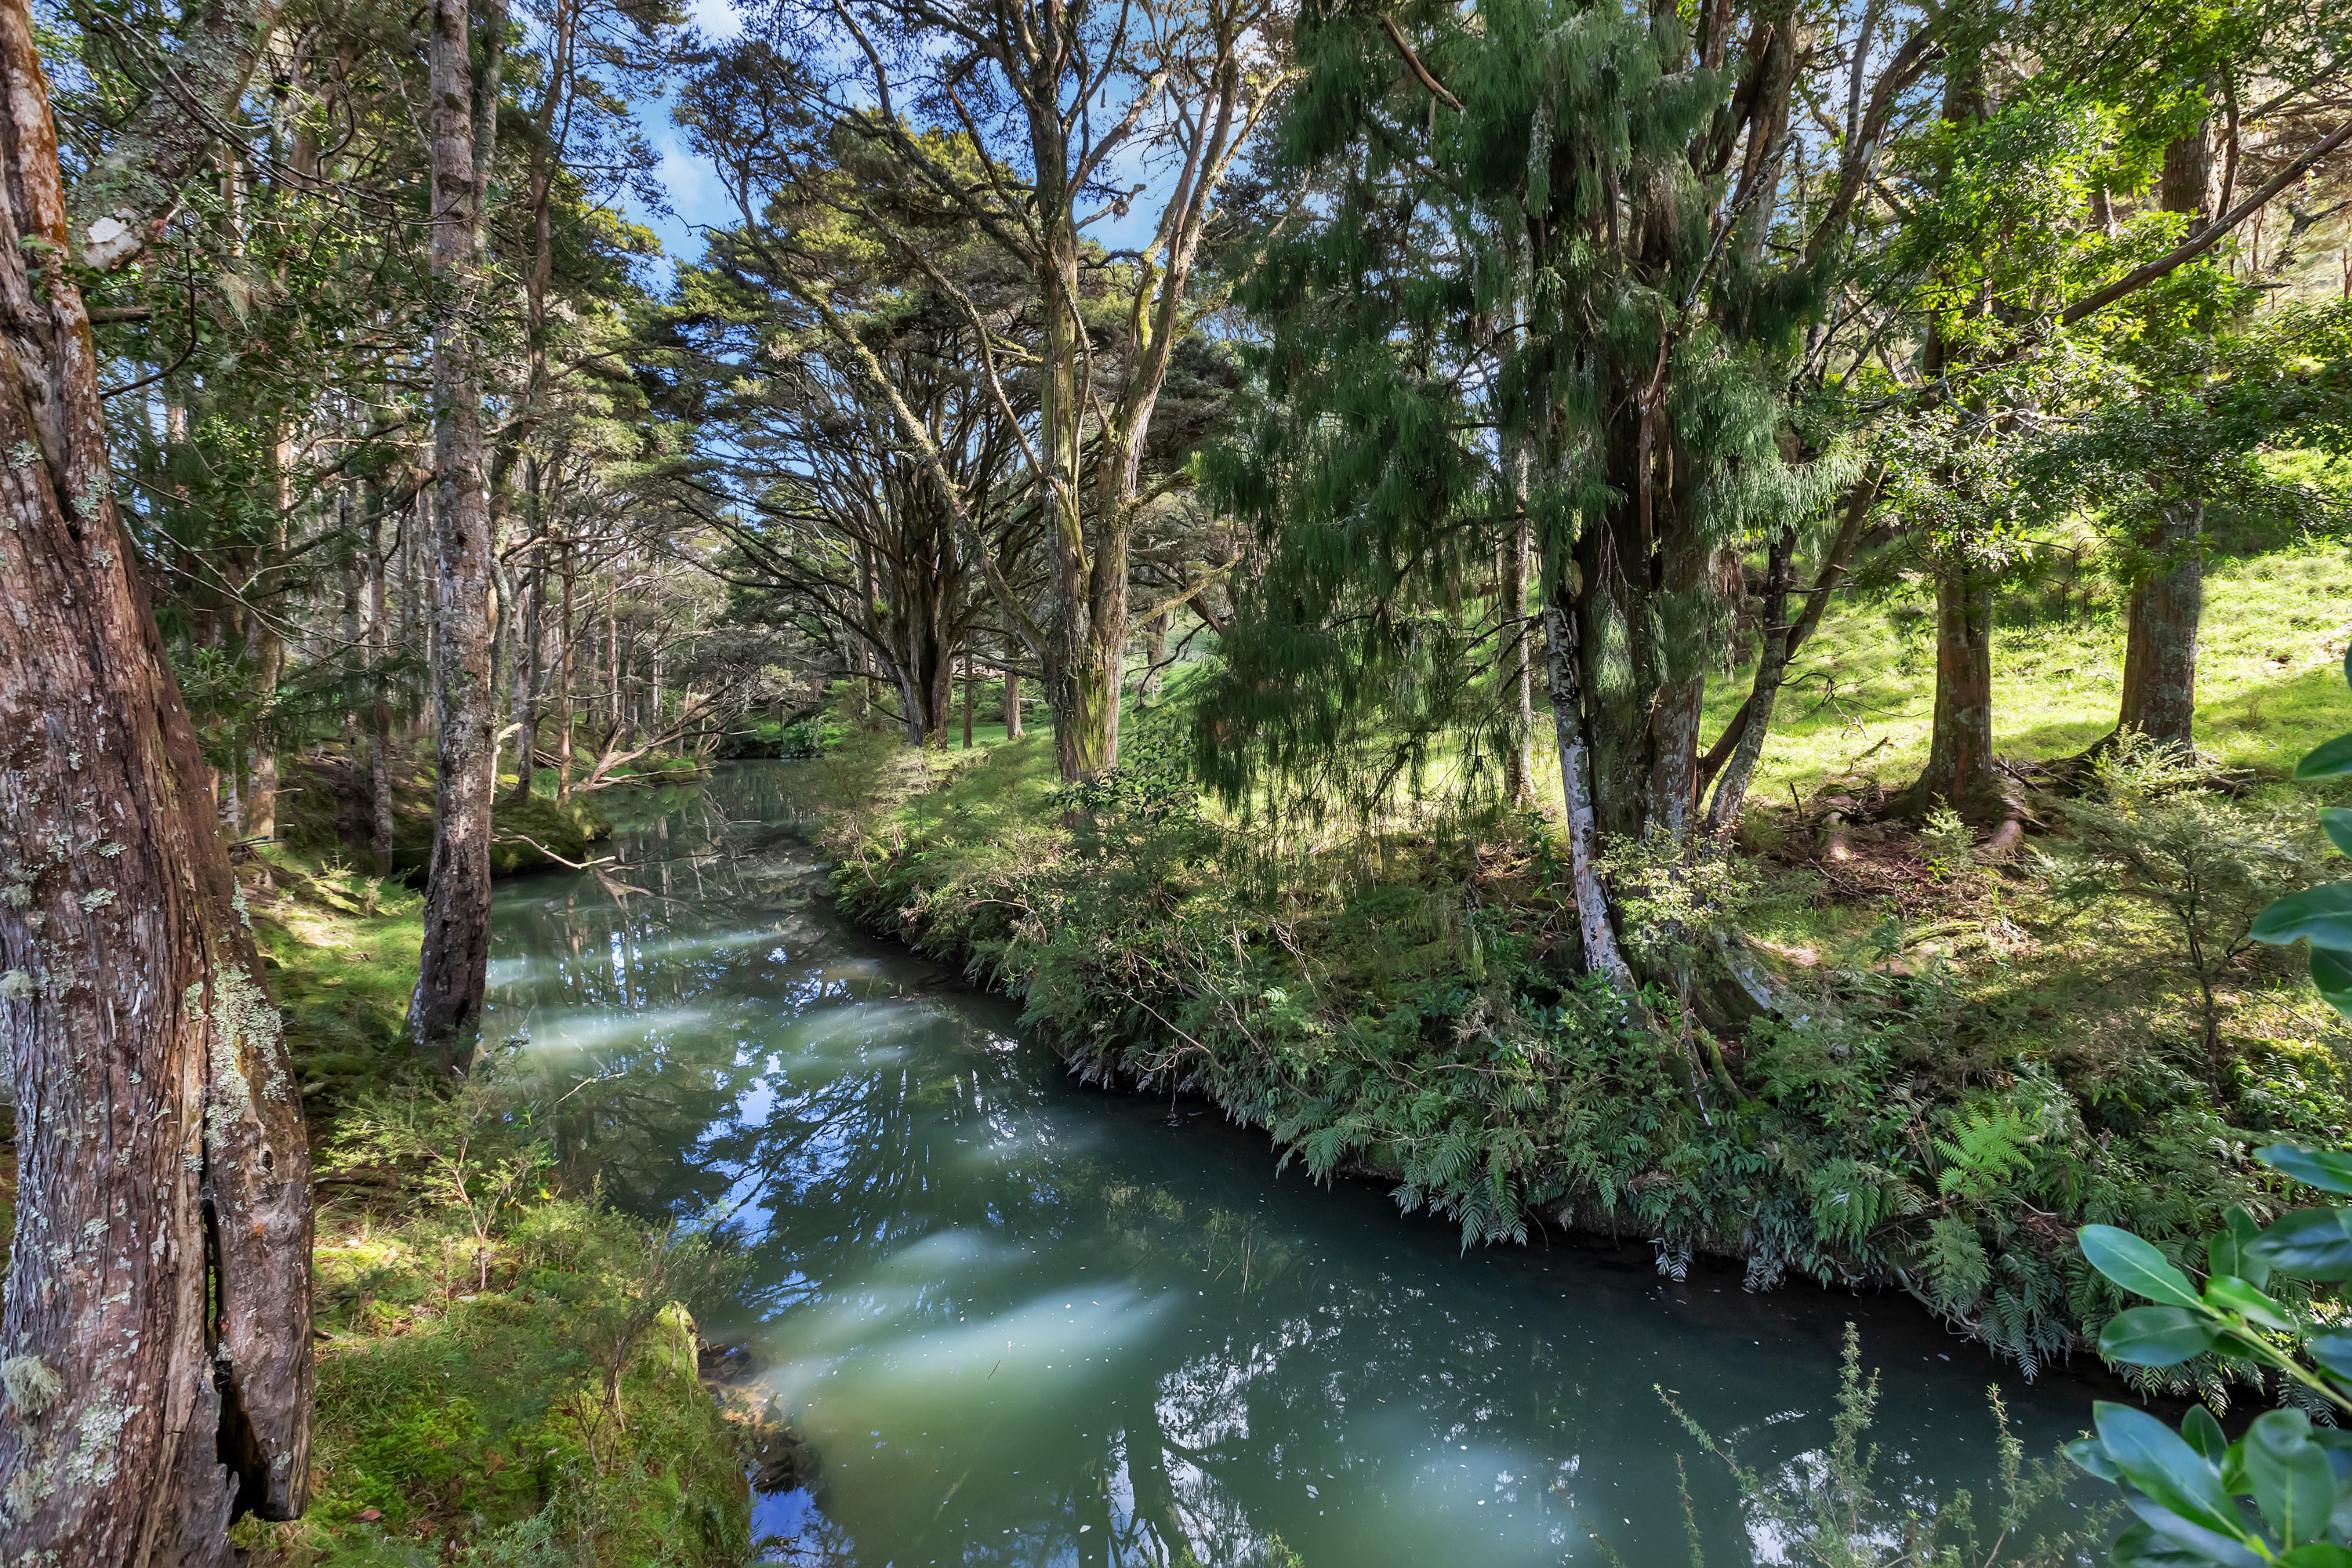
(2151, 829)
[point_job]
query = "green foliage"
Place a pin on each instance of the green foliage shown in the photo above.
(2148, 831)
(1828, 1514)
(1406, 1005)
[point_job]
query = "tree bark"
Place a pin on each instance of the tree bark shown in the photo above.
(1772, 663)
(2160, 638)
(1519, 669)
(445, 1014)
(1580, 820)
(157, 1319)
(1960, 770)
(1012, 703)
(379, 690)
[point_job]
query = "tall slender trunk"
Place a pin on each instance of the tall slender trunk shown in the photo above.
(1155, 648)
(970, 680)
(563, 678)
(268, 647)
(379, 654)
(445, 1013)
(1519, 668)
(157, 1316)
(1580, 820)
(1012, 703)
(527, 678)
(1772, 663)
(2168, 602)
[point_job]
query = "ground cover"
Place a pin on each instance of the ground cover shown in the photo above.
(506, 1372)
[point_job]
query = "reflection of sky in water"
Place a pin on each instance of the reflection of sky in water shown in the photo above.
(1024, 1322)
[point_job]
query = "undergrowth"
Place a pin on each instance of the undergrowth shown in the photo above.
(1972, 1070)
(506, 1372)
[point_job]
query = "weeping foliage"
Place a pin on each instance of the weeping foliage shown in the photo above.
(1553, 302)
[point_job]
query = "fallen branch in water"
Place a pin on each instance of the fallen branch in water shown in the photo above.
(575, 865)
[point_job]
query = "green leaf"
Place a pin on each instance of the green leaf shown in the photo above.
(2321, 1168)
(2309, 1243)
(2226, 1249)
(2228, 1293)
(2328, 761)
(2331, 971)
(2337, 823)
(2179, 1480)
(2140, 1547)
(2135, 1266)
(2235, 1551)
(2317, 1555)
(2091, 1455)
(2323, 913)
(2333, 1352)
(2293, 1486)
(2155, 1336)
(2204, 1434)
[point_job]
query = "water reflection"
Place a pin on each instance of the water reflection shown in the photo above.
(1024, 1322)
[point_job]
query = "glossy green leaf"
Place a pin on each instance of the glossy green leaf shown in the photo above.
(2179, 1480)
(2228, 1293)
(2226, 1250)
(2140, 1547)
(2233, 1551)
(2317, 1555)
(2327, 761)
(2135, 1265)
(2155, 1336)
(2090, 1455)
(2323, 913)
(2331, 972)
(2309, 1243)
(2321, 1168)
(2204, 1434)
(2294, 1485)
(2333, 1352)
(2337, 824)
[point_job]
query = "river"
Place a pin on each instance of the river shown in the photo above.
(1018, 1320)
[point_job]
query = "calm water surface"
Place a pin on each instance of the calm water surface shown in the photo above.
(1023, 1321)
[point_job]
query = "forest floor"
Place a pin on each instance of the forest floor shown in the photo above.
(504, 1373)
(1983, 1056)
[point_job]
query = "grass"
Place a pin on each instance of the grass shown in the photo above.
(1859, 702)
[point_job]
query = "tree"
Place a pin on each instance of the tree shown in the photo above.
(158, 1308)
(454, 970)
(1609, 197)
(1020, 81)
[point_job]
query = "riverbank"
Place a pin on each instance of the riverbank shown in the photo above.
(507, 1371)
(1983, 1057)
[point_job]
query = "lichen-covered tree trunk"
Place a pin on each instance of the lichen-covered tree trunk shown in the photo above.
(2160, 637)
(154, 1353)
(452, 967)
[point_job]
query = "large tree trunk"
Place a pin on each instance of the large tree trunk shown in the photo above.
(2169, 600)
(445, 1014)
(158, 1128)
(1960, 770)
(2160, 637)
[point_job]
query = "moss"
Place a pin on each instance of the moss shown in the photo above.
(474, 1422)
(458, 1392)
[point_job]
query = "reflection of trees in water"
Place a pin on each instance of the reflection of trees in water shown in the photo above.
(754, 1083)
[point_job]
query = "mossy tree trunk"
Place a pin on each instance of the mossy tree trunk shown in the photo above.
(157, 1326)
